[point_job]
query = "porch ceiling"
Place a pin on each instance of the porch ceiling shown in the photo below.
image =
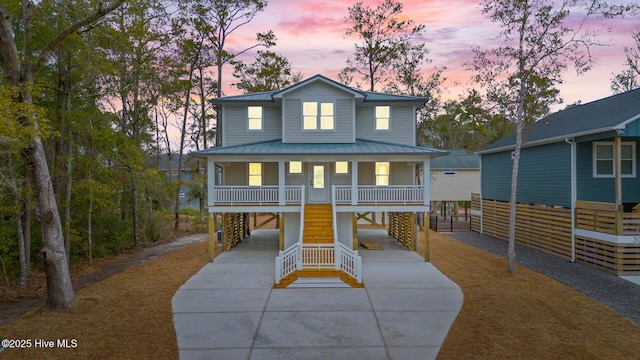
(361, 148)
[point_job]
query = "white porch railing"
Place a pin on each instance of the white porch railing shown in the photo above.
(371, 194)
(259, 195)
(349, 262)
(288, 261)
(318, 256)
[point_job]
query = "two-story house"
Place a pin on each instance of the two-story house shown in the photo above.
(318, 152)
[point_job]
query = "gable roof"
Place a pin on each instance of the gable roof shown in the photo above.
(360, 147)
(608, 114)
(458, 159)
(364, 96)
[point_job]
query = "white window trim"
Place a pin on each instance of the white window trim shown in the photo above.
(611, 143)
(335, 168)
(319, 117)
(375, 119)
(261, 120)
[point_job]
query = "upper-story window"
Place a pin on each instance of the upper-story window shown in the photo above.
(382, 173)
(254, 117)
(604, 163)
(317, 115)
(382, 117)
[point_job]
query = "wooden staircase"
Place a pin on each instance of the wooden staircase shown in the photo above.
(318, 229)
(318, 273)
(318, 224)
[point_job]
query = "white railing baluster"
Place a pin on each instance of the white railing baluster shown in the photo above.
(261, 195)
(371, 194)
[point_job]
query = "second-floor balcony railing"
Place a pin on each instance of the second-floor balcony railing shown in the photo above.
(256, 195)
(292, 195)
(371, 194)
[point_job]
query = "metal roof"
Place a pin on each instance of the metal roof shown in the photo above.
(602, 115)
(360, 147)
(458, 159)
(271, 96)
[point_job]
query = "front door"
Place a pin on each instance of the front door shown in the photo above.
(318, 186)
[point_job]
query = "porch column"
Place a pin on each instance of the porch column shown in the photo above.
(282, 200)
(617, 154)
(211, 181)
(212, 236)
(426, 181)
(354, 182)
(426, 253)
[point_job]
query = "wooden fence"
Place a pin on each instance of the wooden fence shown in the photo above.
(545, 228)
(402, 227)
(603, 217)
(549, 229)
(234, 229)
(615, 258)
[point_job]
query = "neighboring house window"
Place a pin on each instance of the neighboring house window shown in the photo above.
(382, 117)
(182, 195)
(449, 173)
(317, 116)
(382, 173)
(342, 167)
(604, 163)
(254, 114)
(255, 174)
(295, 167)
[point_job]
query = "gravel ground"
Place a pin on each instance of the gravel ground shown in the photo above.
(608, 289)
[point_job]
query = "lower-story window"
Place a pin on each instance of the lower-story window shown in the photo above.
(382, 173)
(255, 174)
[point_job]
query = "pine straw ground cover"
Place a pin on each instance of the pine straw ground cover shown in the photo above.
(521, 315)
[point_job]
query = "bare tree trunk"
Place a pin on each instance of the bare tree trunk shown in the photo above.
(59, 290)
(183, 130)
(134, 209)
(26, 229)
(89, 225)
(22, 257)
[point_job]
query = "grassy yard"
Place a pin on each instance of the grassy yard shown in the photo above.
(521, 315)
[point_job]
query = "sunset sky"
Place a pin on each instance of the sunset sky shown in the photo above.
(311, 35)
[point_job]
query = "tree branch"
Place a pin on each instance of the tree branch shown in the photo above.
(53, 43)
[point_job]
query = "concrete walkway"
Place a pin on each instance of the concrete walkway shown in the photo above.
(229, 310)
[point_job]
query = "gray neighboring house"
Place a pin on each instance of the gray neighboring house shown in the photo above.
(578, 185)
(170, 167)
(317, 153)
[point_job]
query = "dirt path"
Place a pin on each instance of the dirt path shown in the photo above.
(12, 307)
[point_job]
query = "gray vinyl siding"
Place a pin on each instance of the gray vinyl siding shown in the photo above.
(544, 175)
(237, 173)
(402, 124)
(603, 189)
(343, 115)
(235, 125)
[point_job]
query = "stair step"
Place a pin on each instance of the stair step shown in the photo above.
(318, 282)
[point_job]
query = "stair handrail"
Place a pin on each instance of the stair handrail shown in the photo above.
(337, 258)
(302, 201)
(284, 260)
(354, 258)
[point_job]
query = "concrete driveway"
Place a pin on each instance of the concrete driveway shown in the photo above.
(229, 310)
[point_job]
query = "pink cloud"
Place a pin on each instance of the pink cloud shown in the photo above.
(311, 35)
